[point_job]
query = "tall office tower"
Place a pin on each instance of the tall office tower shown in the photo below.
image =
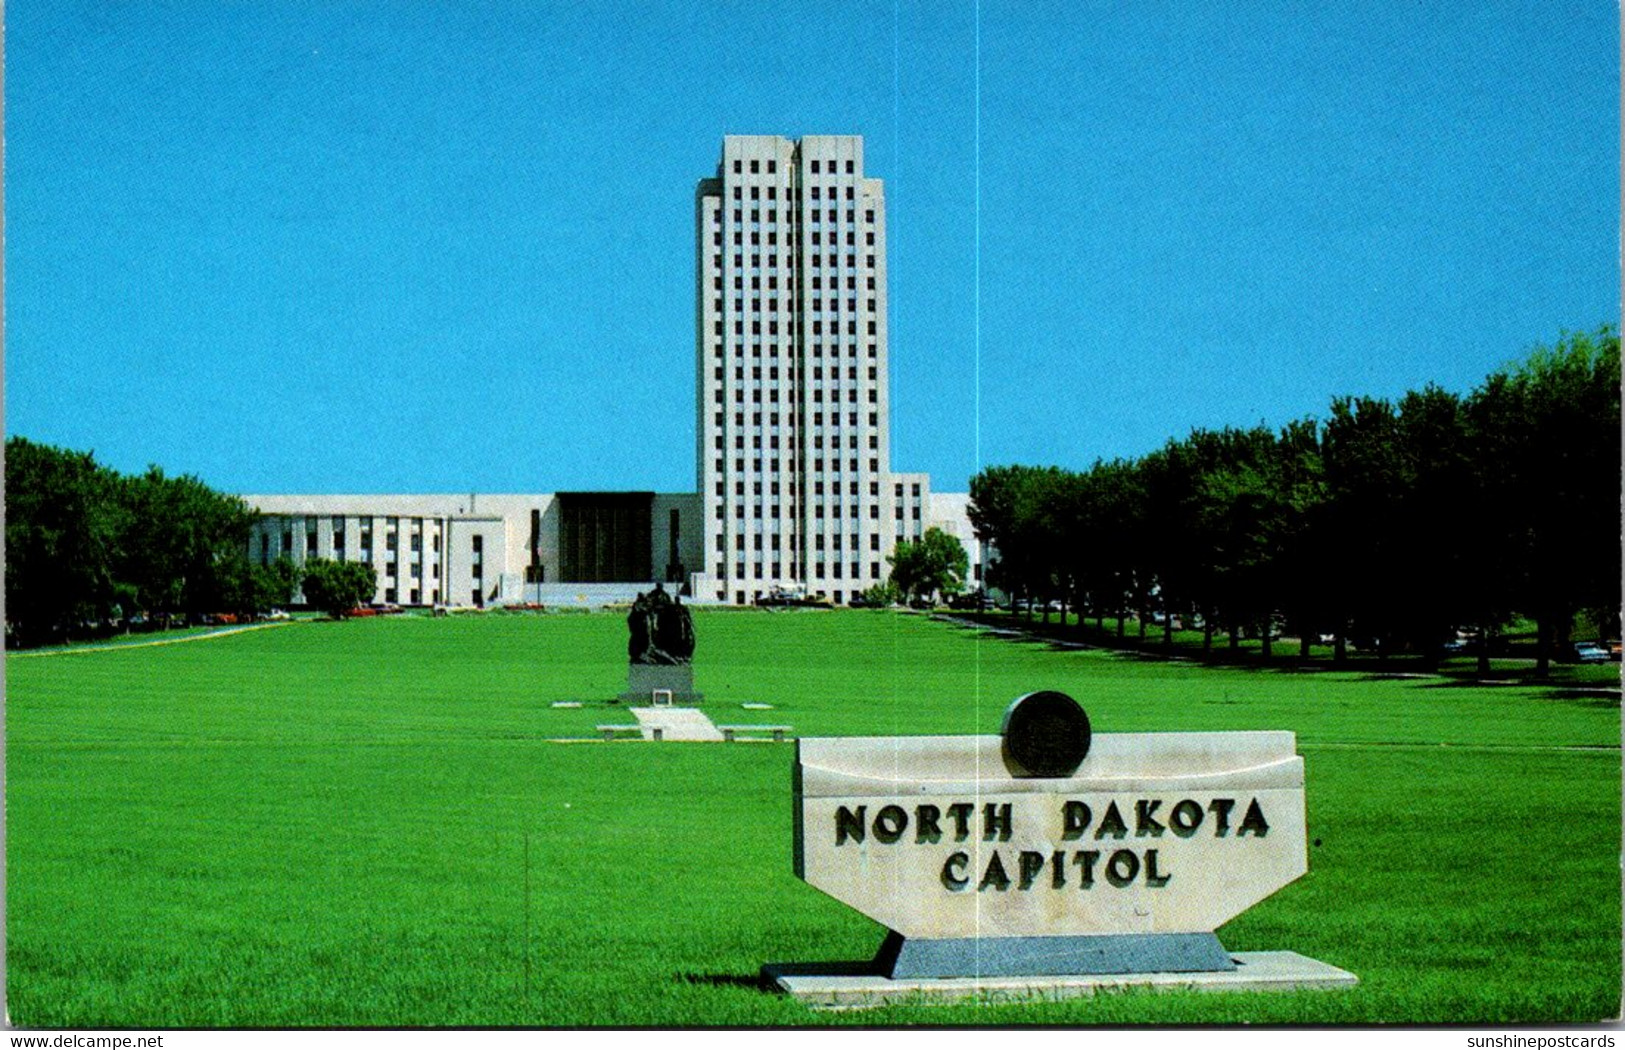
(794, 449)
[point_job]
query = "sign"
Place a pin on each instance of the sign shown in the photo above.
(1134, 833)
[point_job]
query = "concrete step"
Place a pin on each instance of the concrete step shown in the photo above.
(676, 723)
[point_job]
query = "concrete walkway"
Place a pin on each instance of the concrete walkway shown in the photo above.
(676, 723)
(117, 646)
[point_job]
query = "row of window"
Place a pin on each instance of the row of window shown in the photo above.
(814, 215)
(815, 239)
(835, 538)
(817, 394)
(739, 551)
(773, 167)
(773, 395)
(776, 350)
(773, 283)
(391, 541)
(790, 419)
(818, 571)
(818, 489)
(789, 328)
(775, 512)
(812, 191)
(818, 466)
(773, 306)
(717, 373)
(773, 259)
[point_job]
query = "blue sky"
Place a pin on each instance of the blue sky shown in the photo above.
(353, 247)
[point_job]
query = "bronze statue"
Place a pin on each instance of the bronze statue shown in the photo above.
(662, 632)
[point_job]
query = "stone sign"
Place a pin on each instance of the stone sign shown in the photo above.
(1049, 849)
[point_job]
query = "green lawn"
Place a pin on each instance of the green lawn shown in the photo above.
(369, 823)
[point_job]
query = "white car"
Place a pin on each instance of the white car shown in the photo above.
(1588, 653)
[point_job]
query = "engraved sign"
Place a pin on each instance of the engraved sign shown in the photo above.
(955, 837)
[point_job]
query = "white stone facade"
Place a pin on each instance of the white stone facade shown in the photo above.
(791, 374)
(793, 456)
(453, 549)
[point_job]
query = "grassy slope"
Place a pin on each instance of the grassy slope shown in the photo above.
(330, 823)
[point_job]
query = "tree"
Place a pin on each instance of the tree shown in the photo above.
(336, 587)
(1299, 481)
(1365, 475)
(275, 584)
(1550, 430)
(185, 545)
(63, 524)
(935, 564)
(1017, 511)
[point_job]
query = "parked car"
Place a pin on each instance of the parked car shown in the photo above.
(1590, 653)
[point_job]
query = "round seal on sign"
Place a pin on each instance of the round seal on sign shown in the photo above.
(1046, 734)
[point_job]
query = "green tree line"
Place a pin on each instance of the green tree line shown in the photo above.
(1392, 522)
(88, 547)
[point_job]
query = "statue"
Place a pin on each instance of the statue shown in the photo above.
(661, 630)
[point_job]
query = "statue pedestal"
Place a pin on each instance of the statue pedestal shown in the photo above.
(643, 680)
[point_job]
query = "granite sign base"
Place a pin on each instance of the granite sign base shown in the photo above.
(854, 986)
(910, 957)
(644, 681)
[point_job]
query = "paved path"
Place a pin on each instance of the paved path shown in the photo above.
(676, 723)
(74, 650)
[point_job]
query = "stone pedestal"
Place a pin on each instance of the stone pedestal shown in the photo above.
(912, 957)
(643, 681)
(851, 986)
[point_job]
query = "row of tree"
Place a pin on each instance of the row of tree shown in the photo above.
(88, 547)
(1394, 523)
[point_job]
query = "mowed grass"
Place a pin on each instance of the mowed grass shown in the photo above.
(370, 823)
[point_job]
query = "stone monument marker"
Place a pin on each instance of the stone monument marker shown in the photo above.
(660, 649)
(1051, 859)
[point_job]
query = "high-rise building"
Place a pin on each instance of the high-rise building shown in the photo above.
(796, 490)
(794, 446)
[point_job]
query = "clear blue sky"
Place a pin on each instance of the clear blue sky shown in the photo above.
(367, 247)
